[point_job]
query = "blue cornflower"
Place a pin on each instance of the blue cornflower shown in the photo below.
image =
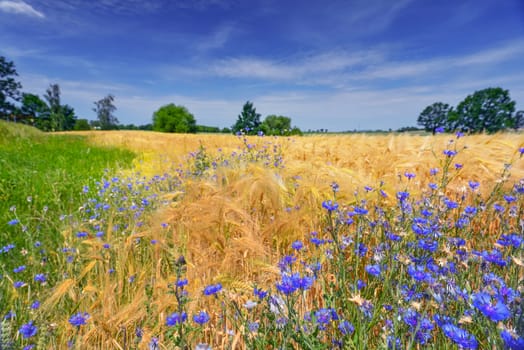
(35, 305)
(19, 269)
(181, 282)
(460, 336)
(361, 284)
(473, 185)
(509, 199)
(411, 318)
(409, 175)
(28, 330)
(373, 270)
(428, 245)
(521, 151)
(253, 327)
(449, 153)
(40, 277)
(324, 316)
(360, 210)
(335, 187)
(458, 166)
(512, 341)
(79, 319)
(18, 284)
(498, 208)
(451, 204)
(510, 240)
(176, 318)
(497, 311)
(433, 171)
(361, 249)
(368, 188)
(201, 318)
(13, 222)
(153, 344)
(289, 283)
(393, 237)
(345, 327)
(297, 245)
(81, 234)
(261, 294)
(402, 195)
(433, 186)
(285, 263)
(329, 205)
(459, 134)
(439, 130)
(213, 289)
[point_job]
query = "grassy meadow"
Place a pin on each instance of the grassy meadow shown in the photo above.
(143, 240)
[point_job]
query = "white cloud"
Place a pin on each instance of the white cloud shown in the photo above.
(19, 7)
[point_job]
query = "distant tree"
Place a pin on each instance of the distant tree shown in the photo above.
(9, 87)
(208, 129)
(70, 118)
(434, 116)
(517, 121)
(276, 125)
(147, 127)
(173, 118)
(408, 129)
(226, 130)
(104, 110)
(36, 110)
(56, 115)
(488, 110)
(82, 124)
(248, 120)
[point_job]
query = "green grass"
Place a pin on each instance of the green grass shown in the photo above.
(44, 173)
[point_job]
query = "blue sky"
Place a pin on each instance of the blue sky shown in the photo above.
(337, 65)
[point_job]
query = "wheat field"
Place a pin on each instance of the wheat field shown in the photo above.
(234, 226)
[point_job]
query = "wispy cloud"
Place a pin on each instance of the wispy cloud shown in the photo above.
(20, 7)
(291, 69)
(216, 39)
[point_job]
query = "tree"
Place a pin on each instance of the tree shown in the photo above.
(276, 125)
(104, 110)
(69, 120)
(81, 124)
(434, 116)
(35, 109)
(248, 120)
(518, 120)
(56, 116)
(173, 118)
(9, 87)
(488, 110)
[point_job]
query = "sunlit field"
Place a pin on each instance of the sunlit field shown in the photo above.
(316, 242)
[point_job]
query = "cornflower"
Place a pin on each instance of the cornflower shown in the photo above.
(28, 330)
(213, 289)
(79, 319)
(201, 318)
(176, 318)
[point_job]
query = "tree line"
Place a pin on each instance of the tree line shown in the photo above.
(173, 118)
(488, 110)
(48, 114)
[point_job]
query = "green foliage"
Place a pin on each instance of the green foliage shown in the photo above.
(56, 114)
(488, 110)
(82, 124)
(517, 121)
(208, 129)
(248, 120)
(9, 87)
(434, 116)
(276, 125)
(36, 110)
(173, 118)
(104, 110)
(42, 173)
